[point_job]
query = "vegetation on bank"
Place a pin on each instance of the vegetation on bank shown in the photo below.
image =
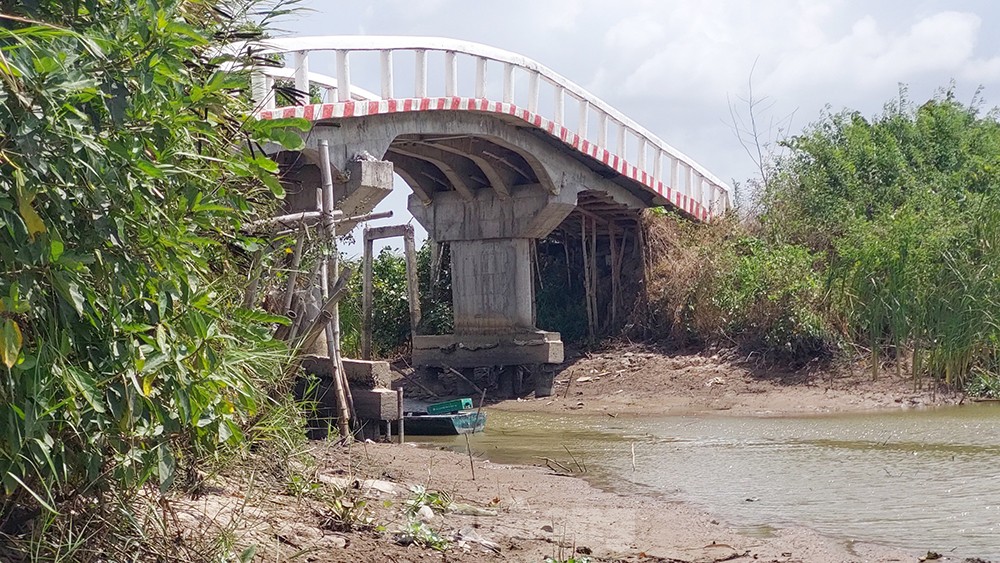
(128, 359)
(873, 238)
(878, 236)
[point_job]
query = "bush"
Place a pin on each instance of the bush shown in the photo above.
(881, 233)
(126, 352)
(721, 284)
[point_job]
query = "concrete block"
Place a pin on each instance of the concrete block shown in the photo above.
(369, 182)
(375, 404)
(364, 373)
(360, 373)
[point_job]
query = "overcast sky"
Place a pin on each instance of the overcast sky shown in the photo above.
(675, 66)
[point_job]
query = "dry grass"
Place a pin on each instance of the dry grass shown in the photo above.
(682, 262)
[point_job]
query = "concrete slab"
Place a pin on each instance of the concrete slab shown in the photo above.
(466, 351)
(360, 373)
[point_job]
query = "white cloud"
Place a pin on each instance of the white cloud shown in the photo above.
(707, 50)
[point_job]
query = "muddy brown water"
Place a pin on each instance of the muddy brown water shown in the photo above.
(917, 479)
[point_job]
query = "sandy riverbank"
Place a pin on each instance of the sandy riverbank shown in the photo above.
(529, 513)
(507, 513)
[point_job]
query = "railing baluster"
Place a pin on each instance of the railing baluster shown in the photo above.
(258, 88)
(583, 125)
(533, 92)
(301, 61)
(480, 77)
(343, 77)
(657, 165)
(421, 74)
(560, 114)
(690, 185)
(602, 130)
(701, 191)
(387, 90)
(450, 74)
(641, 158)
(674, 173)
(508, 83)
(269, 89)
(621, 140)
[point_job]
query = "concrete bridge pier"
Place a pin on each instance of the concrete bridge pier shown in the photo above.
(490, 236)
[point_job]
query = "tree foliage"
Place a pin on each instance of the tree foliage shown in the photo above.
(127, 169)
(880, 233)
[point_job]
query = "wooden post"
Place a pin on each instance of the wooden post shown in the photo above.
(612, 247)
(366, 301)
(586, 277)
(399, 408)
(593, 273)
(412, 281)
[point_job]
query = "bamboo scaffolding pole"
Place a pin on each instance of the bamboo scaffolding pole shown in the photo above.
(330, 265)
(293, 272)
(308, 337)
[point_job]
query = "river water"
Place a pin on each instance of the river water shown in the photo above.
(917, 479)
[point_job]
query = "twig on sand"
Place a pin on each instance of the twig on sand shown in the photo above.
(633, 456)
(550, 462)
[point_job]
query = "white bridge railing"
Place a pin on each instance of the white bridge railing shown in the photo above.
(636, 152)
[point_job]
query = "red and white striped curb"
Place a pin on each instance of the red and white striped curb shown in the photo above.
(316, 112)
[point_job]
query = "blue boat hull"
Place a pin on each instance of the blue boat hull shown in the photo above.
(463, 422)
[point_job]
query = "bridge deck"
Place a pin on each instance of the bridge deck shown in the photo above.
(639, 155)
(316, 112)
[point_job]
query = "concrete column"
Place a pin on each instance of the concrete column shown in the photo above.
(492, 288)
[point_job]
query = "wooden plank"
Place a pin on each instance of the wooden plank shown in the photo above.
(375, 233)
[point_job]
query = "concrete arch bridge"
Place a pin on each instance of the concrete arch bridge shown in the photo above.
(499, 152)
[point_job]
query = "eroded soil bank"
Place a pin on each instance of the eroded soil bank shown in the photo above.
(638, 380)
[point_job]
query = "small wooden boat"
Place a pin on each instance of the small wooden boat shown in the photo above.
(449, 424)
(445, 419)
